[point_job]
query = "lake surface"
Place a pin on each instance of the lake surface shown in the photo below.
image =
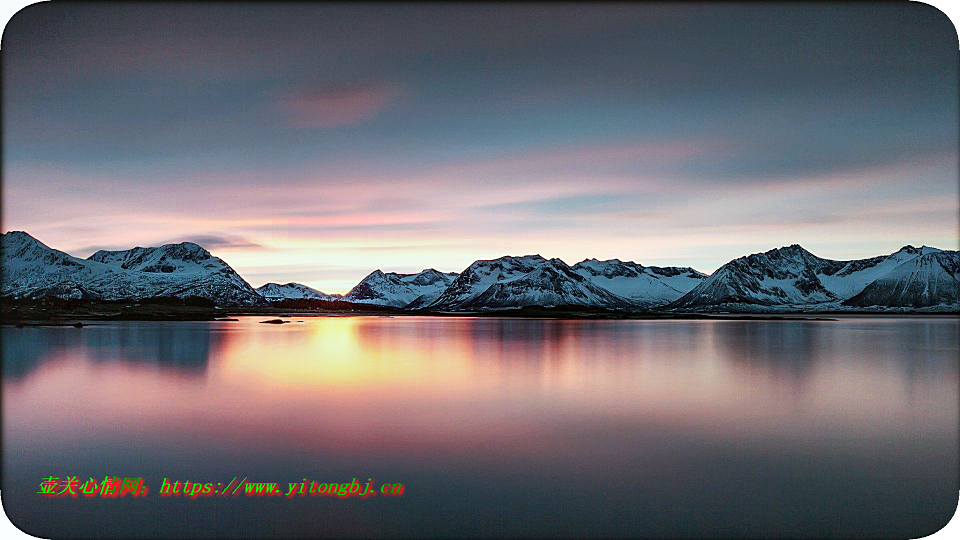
(496, 427)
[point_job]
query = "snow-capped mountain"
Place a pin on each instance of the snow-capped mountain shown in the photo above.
(179, 270)
(931, 279)
(33, 270)
(645, 286)
(780, 276)
(274, 292)
(853, 276)
(790, 277)
(531, 280)
(551, 283)
(400, 290)
(480, 276)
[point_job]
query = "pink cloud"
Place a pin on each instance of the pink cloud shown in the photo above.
(328, 106)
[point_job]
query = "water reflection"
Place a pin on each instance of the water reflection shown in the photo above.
(185, 351)
(788, 350)
(182, 349)
(530, 346)
(25, 349)
(506, 426)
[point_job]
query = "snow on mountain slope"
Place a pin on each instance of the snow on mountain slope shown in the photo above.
(399, 290)
(931, 279)
(780, 276)
(792, 277)
(853, 276)
(179, 270)
(645, 286)
(31, 269)
(552, 283)
(785, 278)
(274, 292)
(185, 257)
(479, 276)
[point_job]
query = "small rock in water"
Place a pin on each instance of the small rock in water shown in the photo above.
(274, 321)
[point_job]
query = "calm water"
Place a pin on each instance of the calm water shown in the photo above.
(496, 427)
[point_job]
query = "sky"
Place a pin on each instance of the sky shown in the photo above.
(316, 143)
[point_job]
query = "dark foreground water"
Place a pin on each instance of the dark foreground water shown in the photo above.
(496, 427)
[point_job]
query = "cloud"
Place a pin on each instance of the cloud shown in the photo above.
(566, 205)
(335, 106)
(592, 156)
(207, 241)
(219, 242)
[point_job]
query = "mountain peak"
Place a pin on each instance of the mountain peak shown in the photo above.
(19, 238)
(792, 249)
(274, 292)
(399, 290)
(431, 272)
(166, 256)
(186, 251)
(185, 245)
(533, 257)
(17, 234)
(909, 249)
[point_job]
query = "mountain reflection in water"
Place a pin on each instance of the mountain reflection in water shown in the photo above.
(496, 426)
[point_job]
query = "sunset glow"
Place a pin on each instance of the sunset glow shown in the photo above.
(317, 144)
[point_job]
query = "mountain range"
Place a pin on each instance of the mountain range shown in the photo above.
(784, 279)
(274, 292)
(30, 269)
(791, 278)
(400, 290)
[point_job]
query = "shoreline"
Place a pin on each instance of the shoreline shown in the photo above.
(31, 315)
